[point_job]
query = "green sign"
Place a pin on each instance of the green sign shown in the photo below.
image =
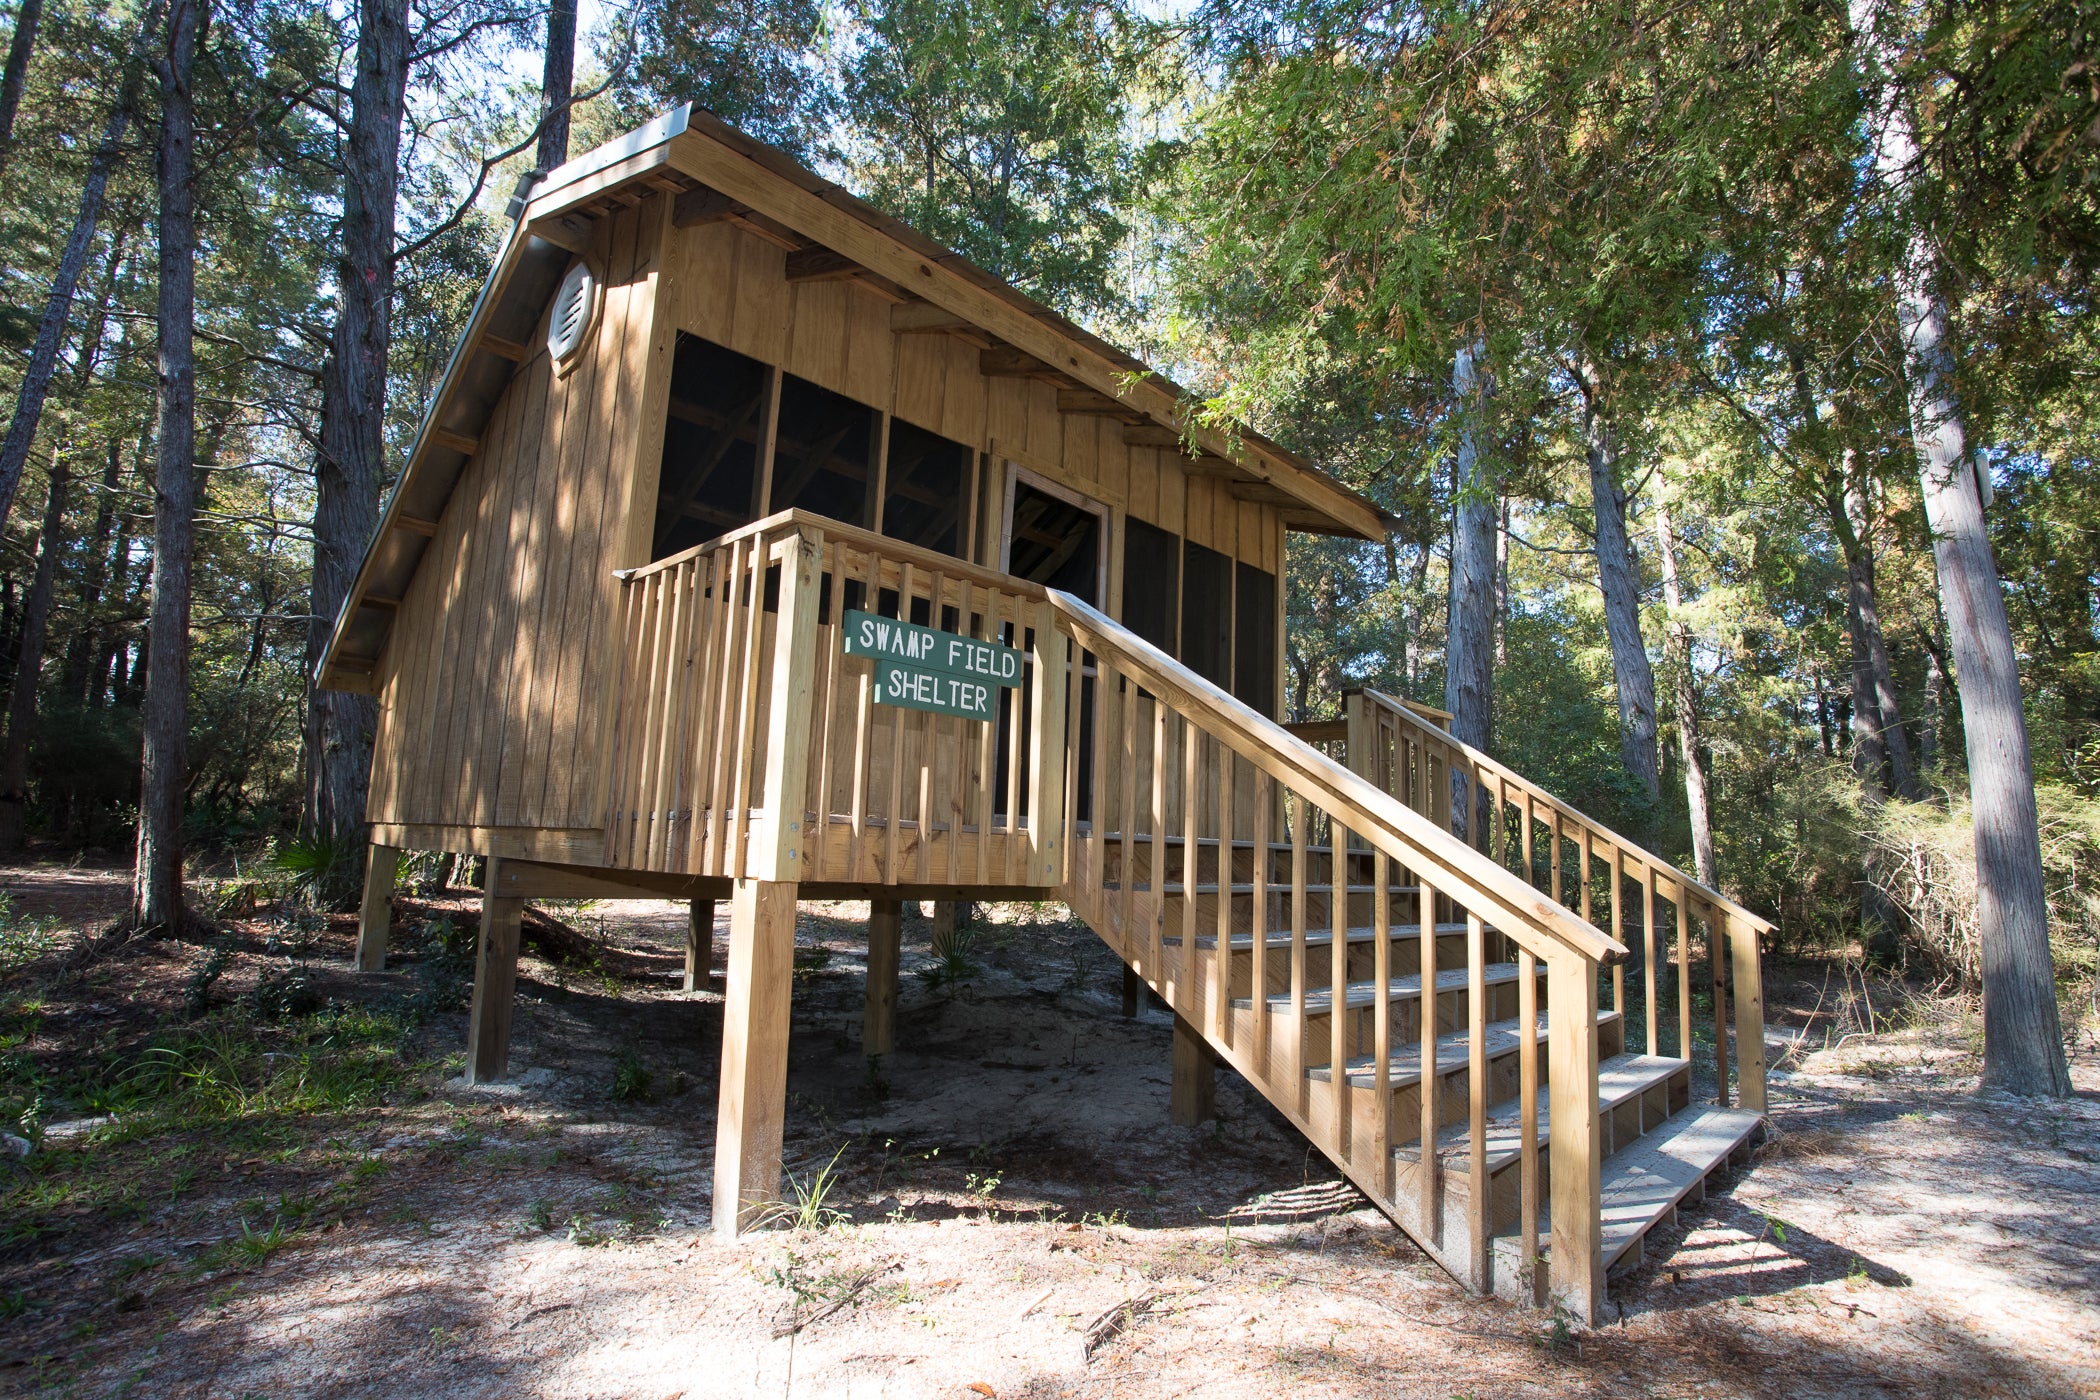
(920, 668)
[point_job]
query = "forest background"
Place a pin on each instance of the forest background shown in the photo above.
(1614, 308)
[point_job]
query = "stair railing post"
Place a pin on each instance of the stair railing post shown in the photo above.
(1576, 1177)
(1046, 753)
(1749, 1016)
(788, 727)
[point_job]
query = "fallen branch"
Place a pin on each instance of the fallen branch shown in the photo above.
(852, 1293)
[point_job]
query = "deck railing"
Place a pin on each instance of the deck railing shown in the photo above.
(1612, 880)
(735, 693)
(1192, 789)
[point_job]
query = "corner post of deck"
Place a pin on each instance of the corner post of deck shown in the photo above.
(495, 980)
(878, 1026)
(753, 1105)
(382, 868)
(1046, 758)
(789, 736)
(1576, 1169)
(699, 945)
(1356, 711)
(1192, 1096)
(1749, 1013)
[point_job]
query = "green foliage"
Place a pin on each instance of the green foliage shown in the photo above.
(632, 1078)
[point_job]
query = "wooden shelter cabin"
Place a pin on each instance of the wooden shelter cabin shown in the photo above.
(637, 623)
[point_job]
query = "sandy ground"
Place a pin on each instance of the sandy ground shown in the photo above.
(1016, 1217)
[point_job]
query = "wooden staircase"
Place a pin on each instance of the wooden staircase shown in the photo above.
(1256, 884)
(1399, 941)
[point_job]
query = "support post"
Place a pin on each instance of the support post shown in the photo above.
(495, 982)
(699, 945)
(753, 1104)
(790, 732)
(1749, 1015)
(878, 1025)
(1193, 1097)
(1131, 987)
(382, 868)
(1576, 1171)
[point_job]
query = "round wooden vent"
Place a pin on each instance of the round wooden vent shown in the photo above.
(575, 308)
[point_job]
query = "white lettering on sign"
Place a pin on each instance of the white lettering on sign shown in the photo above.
(953, 694)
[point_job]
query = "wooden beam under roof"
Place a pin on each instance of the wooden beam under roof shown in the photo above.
(820, 265)
(1090, 402)
(1005, 362)
(701, 205)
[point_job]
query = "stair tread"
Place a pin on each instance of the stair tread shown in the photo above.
(1643, 1180)
(1322, 937)
(1319, 1000)
(1619, 1079)
(1451, 1054)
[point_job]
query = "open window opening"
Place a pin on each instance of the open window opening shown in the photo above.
(1054, 538)
(712, 436)
(825, 453)
(926, 489)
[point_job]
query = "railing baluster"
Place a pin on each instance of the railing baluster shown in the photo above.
(1528, 1123)
(1382, 1018)
(1684, 977)
(1220, 992)
(1298, 823)
(1338, 980)
(1651, 949)
(1477, 1092)
(1191, 868)
(1126, 705)
(1717, 963)
(751, 591)
(1156, 849)
(1258, 942)
(1430, 1109)
(1618, 925)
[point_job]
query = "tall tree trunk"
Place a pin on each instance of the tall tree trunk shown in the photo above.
(1469, 630)
(1859, 565)
(1619, 580)
(1880, 921)
(157, 880)
(21, 709)
(58, 307)
(352, 456)
(1687, 706)
(557, 83)
(2023, 1050)
(27, 18)
(94, 572)
(1502, 584)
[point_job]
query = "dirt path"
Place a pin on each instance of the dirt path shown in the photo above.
(1017, 1217)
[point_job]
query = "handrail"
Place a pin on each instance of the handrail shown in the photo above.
(825, 527)
(1275, 749)
(1404, 710)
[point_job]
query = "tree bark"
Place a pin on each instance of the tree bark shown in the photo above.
(157, 878)
(1687, 705)
(1469, 632)
(557, 82)
(1469, 629)
(27, 18)
(352, 456)
(1619, 580)
(1880, 674)
(94, 573)
(58, 306)
(2023, 1051)
(36, 617)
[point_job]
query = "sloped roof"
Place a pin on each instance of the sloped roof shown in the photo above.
(714, 171)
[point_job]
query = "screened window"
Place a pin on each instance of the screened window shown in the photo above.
(823, 453)
(1206, 613)
(709, 484)
(1151, 583)
(1254, 639)
(927, 490)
